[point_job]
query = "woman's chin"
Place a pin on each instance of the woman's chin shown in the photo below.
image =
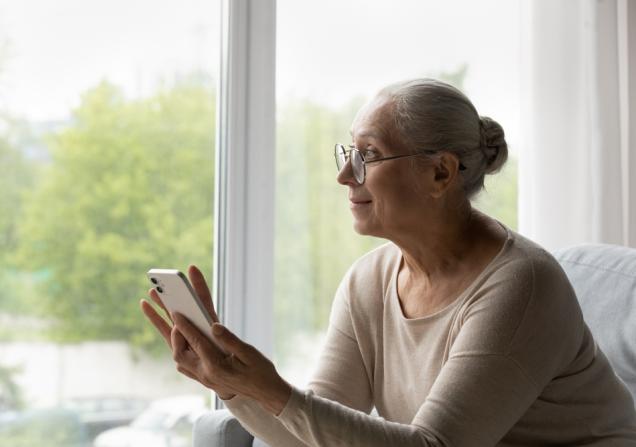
(362, 227)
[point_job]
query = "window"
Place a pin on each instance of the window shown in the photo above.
(107, 130)
(331, 56)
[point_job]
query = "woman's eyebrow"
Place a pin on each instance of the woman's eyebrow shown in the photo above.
(367, 134)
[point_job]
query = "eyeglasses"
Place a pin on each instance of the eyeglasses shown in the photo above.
(359, 164)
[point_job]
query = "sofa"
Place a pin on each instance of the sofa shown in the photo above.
(604, 278)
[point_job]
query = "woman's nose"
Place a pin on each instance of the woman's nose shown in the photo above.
(345, 176)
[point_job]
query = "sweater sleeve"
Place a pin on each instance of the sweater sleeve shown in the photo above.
(340, 377)
(262, 424)
(475, 401)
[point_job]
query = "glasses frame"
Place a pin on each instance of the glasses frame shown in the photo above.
(341, 148)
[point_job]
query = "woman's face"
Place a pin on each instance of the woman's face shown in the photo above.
(393, 197)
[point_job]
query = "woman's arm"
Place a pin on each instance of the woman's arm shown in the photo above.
(340, 377)
(474, 402)
(476, 399)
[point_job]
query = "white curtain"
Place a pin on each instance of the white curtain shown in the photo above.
(577, 180)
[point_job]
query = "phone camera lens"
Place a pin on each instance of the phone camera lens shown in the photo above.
(159, 289)
(154, 280)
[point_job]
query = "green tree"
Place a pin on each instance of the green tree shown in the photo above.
(16, 177)
(129, 187)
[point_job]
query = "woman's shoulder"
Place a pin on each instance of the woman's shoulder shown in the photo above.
(526, 308)
(529, 259)
(524, 279)
(527, 278)
(369, 277)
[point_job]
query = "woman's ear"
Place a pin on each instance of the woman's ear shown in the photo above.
(446, 170)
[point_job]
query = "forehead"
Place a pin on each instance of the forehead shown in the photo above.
(374, 120)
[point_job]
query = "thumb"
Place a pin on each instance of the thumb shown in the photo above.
(232, 344)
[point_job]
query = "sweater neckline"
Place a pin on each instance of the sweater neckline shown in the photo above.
(395, 300)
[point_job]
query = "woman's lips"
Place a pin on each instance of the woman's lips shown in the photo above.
(358, 204)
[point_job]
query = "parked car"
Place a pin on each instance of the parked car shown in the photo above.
(104, 412)
(165, 423)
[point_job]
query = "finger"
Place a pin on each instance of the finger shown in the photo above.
(185, 358)
(197, 341)
(233, 345)
(179, 344)
(154, 295)
(157, 320)
(187, 373)
(202, 290)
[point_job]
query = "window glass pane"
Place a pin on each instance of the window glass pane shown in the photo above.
(331, 57)
(107, 114)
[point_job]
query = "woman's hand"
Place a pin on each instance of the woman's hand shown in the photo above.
(241, 370)
(244, 371)
(166, 329)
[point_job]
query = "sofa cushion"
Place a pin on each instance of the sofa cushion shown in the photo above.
(220, 429)
(604, 278)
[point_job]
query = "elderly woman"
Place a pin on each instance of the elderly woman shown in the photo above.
(459, 331)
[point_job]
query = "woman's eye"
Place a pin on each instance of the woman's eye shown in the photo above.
(370, 154)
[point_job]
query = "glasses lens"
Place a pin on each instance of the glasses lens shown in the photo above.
(357, 165)
(341, 156)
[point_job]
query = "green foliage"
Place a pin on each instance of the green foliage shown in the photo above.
(16, 177)
(129, 187)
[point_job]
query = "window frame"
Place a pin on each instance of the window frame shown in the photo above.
(245, 171)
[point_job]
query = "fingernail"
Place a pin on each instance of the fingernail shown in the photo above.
(218, 329)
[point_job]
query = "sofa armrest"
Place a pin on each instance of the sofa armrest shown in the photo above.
(220, 428)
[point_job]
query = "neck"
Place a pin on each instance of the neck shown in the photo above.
(440, 249)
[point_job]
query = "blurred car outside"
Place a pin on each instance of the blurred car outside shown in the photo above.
(101, 413)
(165, 423)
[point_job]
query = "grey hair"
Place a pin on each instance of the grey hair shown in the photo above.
(432, 115)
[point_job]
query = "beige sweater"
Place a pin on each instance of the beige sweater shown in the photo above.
(509, 362)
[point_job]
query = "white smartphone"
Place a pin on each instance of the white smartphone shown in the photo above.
(177, 295)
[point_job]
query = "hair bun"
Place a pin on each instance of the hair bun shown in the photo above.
(492, 144)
